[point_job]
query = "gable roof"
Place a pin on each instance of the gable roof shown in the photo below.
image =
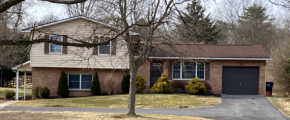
(69, 19)
(204, 51)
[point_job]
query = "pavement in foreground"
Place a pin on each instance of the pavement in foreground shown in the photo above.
(233, 107)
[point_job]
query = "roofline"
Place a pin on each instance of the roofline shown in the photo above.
(73, 18)
(208, 58)
(15, 68)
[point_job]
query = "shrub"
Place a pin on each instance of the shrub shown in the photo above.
(110, 84)
(9, 94)
(44, 92)
(140, 82)
(95, 89)
(125, 85)
(162, 85)
(62, 89)
(195, 86)
(35, 91)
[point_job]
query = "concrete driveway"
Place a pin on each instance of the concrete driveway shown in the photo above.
(233, 107)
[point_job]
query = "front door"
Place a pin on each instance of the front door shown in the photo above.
(156, 69)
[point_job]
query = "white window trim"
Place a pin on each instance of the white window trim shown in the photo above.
(52, 43)
(80, 87)
(110, 46)
(180, 76)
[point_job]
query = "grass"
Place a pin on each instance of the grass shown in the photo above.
(2, 101)
(14, 115)
(27, 91)
(120, 101)
(282, 103)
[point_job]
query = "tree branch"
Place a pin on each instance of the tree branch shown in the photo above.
(65, 1)
(8, 4)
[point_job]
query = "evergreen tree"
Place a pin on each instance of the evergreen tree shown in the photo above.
(125, 85)
(62, 89)
(196, 27)
(255, 27)
(96, 88)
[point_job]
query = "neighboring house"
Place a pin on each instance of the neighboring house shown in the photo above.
(226, 69)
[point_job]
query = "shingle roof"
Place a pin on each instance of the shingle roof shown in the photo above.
(209, 51)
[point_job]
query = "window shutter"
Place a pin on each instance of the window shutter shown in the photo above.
(114, 47)
(169, 70)
(46, 45)
(95, 49)
(207, 71)
(64, 47)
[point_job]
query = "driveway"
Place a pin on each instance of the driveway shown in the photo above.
(233, 107)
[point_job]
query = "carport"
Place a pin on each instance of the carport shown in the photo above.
(25, 68)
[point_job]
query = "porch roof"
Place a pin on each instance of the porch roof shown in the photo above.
(25, 67)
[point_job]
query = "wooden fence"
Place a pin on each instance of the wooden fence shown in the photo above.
(12, 83)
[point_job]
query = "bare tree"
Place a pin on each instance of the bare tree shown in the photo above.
(126, 13)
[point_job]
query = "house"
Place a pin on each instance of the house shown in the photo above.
(226, 69)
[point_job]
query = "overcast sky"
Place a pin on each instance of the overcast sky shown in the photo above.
(217, 8)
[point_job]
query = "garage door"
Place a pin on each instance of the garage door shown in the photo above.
(240, 80)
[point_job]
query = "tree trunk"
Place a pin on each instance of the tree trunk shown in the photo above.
(132, 91)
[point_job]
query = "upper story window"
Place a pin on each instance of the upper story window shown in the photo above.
(187, 70)
(104, 49)
(53, 48)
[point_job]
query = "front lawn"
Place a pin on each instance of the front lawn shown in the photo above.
(31, 115)
(21, 91)
(121, 101)
(282, 103)
(2, 101)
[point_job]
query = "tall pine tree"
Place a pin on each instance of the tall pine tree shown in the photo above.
(196, 26)
(255, 27)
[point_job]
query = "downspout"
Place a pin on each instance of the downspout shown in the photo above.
(265, 77)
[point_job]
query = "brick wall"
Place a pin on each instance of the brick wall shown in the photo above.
(49, 77)
(215, 81)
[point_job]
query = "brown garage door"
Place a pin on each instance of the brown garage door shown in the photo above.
(240, 80)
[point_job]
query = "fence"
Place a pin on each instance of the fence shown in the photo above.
(12, 83)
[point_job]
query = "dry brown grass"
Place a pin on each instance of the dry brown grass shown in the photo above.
(31, 115)
(282, 103)
(121, 101)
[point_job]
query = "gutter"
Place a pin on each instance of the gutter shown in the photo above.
(208, 58)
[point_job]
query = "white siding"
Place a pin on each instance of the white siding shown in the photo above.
(78, 57)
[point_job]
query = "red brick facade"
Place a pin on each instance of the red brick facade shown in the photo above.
(49, 77)
(214, 83)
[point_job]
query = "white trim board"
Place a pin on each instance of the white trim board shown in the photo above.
(73, 18)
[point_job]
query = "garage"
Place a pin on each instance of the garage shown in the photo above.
(240, 80)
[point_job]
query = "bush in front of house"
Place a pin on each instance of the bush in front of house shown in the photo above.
(96, 88)
(44, 92)
(110, 84)
(9, 94)
(125, 85)
(195, 87)
(62, 89)
(140, 82)
(35, 91)
(162, 85)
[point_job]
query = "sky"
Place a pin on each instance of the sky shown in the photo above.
(218, 9)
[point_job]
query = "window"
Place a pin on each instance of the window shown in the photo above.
(187, 70)
(79, 81)
(53, 48)
(104, 49)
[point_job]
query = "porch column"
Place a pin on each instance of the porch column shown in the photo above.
(17, 81)
(24, 84)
